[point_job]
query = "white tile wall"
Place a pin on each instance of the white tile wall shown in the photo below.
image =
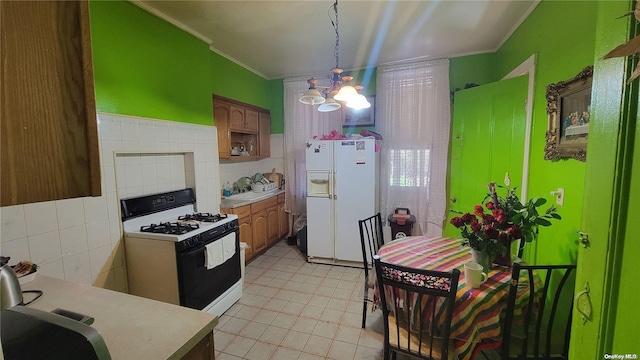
(81, 239)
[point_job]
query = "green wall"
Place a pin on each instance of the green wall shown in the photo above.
(564, 46)
(145, 66)
(472, 69)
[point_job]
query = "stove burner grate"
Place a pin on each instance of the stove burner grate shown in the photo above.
(169, 228)
(204, 217)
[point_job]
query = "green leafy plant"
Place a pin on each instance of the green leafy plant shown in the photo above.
(503, 219)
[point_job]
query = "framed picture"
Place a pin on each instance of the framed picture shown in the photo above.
(362, 117)
(569, 111)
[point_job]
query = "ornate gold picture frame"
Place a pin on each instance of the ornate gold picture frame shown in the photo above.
(569, 110)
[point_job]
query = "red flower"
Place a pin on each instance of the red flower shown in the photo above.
(478, 210)
(499, 215)
(476, 226)
(491, 232)
(503, 238)
(457, 222)
(487, 219)
(490, 205)
(468, 218)
(514, 232)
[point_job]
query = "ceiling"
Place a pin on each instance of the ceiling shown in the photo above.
(278, 39)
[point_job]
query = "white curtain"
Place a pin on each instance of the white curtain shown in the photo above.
(301, 123)
(414, 119)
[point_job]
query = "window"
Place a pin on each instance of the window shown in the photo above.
(409, 168)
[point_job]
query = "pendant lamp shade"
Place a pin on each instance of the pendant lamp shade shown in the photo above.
(346, 93)
(359, 102)
(329, 105)
(312, 96)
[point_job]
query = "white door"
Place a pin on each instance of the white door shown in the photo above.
(354, 184)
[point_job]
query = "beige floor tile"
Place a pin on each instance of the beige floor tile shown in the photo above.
(337, 304)
(224, 356)
(348, 334)
(367, 353)
(313, 312)
(284, 321)
(302, 298)
(318, 345)
(247, 312)
(325, 329)
(279, 282)
(325, 290)
(307, 356)
(304, 325)
(293, 308)
(253, 331)
(239, 346)
(320, 301)
(234, 325)
(292, 285)
(353, 320)
(273, 335)
(333, 316)
(259, 301)
(342, 350)
(265, 316)
(222, 339)
(314, 280)
(295, 340)
(286, 354)
(268, 291)
(343, 294)
(308, 288)
(370, 339)
(261, 351)
(284, 294)
(275, 304)
(252, 288)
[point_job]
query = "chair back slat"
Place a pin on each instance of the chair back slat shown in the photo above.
(371, 240)
(417, 307)
(547, 306)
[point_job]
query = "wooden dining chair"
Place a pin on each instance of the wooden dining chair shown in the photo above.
(540, 327)
(372, 239)
(417, 307)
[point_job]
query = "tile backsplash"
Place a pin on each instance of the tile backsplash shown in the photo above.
(81, 239)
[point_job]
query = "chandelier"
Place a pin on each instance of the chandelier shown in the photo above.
(339, 88)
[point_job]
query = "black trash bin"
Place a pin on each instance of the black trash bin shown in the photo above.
(401, 222)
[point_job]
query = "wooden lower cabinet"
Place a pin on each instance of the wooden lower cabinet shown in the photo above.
(203, 350)
(262, 224)
(274, 226)
(246, 235)
(260, 227)
(283, 218)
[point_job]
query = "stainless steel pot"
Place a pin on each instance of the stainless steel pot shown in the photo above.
(10, 291)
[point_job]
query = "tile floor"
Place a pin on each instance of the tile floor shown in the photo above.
(292, 309)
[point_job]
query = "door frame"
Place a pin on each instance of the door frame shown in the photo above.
(528, 67)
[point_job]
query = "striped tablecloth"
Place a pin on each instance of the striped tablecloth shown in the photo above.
(478, 312)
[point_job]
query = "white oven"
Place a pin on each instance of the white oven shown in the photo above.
(179, 256)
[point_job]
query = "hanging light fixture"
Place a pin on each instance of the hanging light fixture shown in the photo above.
(339, 89)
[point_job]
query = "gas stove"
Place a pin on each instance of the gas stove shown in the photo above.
(170, 217)
(180, 256)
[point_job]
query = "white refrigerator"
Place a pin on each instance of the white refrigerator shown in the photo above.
(341, 189)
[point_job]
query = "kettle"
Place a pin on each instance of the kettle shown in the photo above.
(10, 291)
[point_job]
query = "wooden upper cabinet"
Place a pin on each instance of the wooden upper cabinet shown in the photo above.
(264, 140)
(222, 111)
(49, 136)
(241, 125)
(236, 118)
(251, 120)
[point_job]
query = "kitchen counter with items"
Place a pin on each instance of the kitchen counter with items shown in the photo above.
(247, 198)
(132, 327)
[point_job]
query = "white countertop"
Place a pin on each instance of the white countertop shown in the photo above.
(132, 327)
(247, 198)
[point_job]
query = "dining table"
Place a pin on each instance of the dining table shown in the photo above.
(478, 313)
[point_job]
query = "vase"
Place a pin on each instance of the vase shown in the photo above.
(481, 257)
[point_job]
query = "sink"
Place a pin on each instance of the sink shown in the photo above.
(248, 196)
